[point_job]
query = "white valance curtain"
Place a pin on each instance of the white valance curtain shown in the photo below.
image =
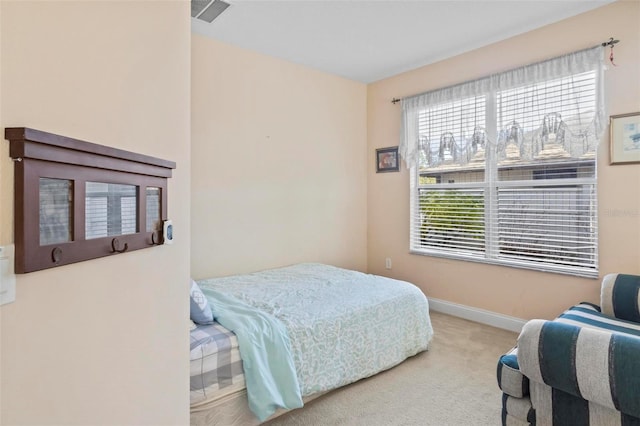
(515, 92)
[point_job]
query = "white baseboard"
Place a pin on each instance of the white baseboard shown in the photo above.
(478, 315)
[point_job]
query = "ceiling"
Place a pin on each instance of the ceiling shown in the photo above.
(370, 40)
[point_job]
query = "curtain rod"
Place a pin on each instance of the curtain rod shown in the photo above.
(611, 42)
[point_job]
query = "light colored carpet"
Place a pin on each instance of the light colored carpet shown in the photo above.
(454, 383)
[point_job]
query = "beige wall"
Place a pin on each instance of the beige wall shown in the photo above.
(520, 293)
(278, 163)
(102, 341)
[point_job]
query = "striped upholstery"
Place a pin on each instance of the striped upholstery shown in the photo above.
(589, 316)
(556, 408)
(583, 368)
(619, 296)
(600, 366)
(510, 380)
(514, 410)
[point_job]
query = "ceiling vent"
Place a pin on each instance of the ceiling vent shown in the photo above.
(207, 10)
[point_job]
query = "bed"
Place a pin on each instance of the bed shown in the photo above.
(284, 336)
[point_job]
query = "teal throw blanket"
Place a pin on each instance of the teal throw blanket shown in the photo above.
(270, 373)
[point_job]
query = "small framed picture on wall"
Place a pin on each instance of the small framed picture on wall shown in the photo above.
(387, 160)
(625, 138)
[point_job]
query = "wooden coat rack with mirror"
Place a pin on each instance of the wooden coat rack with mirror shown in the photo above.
(76, 200)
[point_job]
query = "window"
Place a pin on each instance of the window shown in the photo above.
(76, 200)
(503, 169)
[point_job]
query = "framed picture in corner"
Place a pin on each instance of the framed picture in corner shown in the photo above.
(387, 160)
(625, 138)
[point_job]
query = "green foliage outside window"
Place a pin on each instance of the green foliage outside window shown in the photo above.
(452, 219)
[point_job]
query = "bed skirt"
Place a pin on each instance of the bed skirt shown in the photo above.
(232, 409)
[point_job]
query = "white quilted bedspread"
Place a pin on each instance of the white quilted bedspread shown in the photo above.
(343, 325)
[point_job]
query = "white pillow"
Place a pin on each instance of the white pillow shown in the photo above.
(200, 309)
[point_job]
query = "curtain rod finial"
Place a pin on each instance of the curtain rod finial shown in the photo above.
(395, 100)
(611, 42)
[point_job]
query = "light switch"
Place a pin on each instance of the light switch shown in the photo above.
(7, 277)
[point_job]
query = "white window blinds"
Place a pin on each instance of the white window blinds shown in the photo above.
(110, 209)
(503, 169)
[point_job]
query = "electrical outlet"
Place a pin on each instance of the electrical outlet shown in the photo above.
(387, 263)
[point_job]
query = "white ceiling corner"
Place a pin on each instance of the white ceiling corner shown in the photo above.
(370, 40)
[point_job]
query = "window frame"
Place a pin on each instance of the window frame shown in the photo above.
(491, 186)
(489, 256)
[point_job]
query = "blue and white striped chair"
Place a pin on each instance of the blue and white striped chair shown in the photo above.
(583, 368)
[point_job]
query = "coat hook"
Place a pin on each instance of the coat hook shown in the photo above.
(56, 255)
(115, 245)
